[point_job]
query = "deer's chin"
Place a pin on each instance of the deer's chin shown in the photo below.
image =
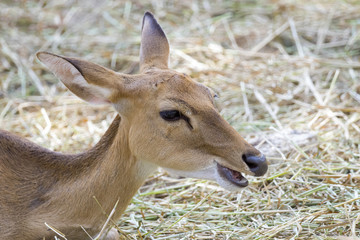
(227, 178)
(207, 173)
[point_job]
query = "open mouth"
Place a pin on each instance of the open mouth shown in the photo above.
(232, 176)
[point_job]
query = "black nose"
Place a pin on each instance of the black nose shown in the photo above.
(257, 164)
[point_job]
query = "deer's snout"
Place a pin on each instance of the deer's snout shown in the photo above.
(256, 163)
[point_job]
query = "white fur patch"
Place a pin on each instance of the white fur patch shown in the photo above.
(210, 173)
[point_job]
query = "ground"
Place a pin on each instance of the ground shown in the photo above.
(287, 73)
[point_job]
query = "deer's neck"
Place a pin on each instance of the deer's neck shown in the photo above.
(110, 173)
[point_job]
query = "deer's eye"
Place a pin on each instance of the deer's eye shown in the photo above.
(170, 115)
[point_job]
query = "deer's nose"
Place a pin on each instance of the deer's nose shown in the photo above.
(256, 163)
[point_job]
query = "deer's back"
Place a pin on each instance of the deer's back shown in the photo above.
(23, 180)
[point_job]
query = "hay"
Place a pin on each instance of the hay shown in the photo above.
(277, 65)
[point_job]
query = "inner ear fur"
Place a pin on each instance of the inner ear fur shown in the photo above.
(94, 73)
(89, 81)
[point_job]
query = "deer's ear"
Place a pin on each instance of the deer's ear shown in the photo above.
(154, 50)
(89, 81)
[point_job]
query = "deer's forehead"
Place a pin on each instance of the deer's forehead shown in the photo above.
(168, 86)
(183, 85)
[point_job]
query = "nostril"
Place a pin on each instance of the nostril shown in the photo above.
(256, 164)
(250, 164)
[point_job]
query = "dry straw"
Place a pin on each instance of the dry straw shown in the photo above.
(287, 73)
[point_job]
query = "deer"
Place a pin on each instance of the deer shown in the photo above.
(163, 119)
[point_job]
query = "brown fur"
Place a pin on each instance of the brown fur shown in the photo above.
(38, 185)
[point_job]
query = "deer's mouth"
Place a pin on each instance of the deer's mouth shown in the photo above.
(232, 176)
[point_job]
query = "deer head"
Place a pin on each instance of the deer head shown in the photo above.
(170, 119)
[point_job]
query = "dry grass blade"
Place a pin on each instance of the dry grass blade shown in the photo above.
(60, 234)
